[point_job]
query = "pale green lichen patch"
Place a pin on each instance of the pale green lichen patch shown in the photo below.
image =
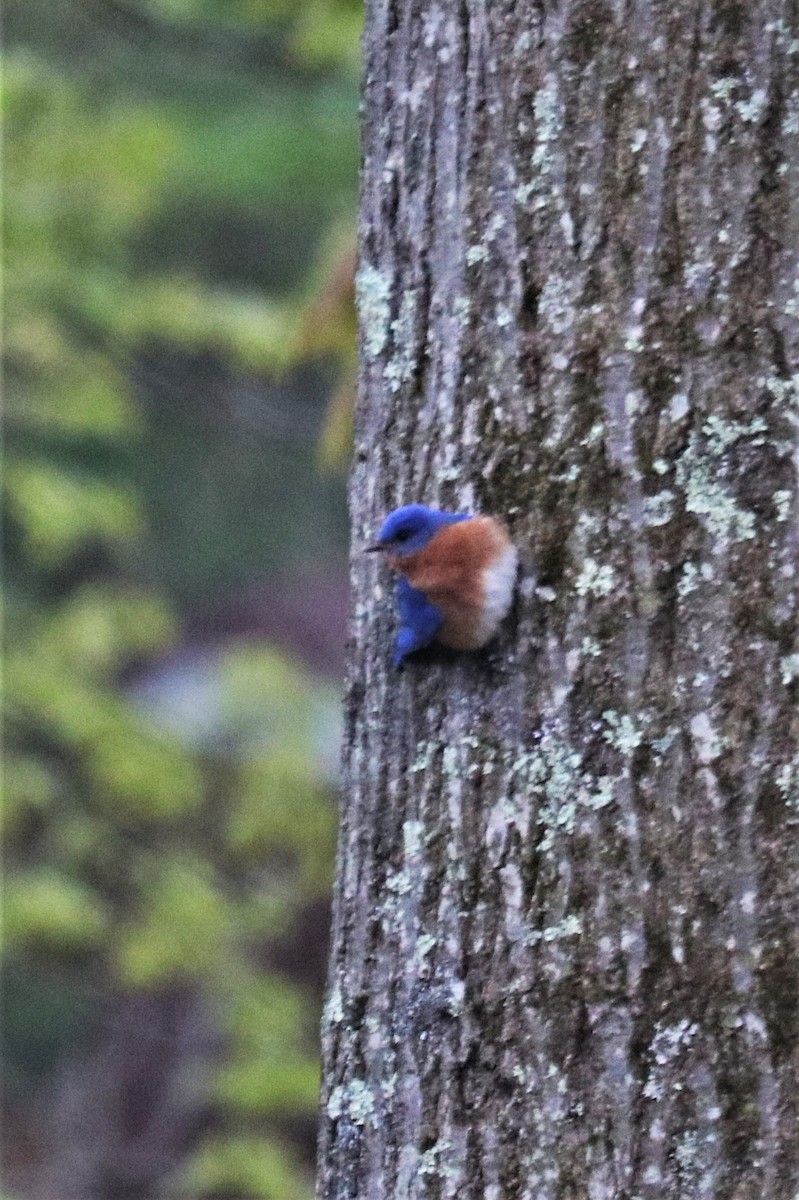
(425, 754)
(789, 668)
(783, 391)
(633, 338)
(595, 435)
(698, 474)
(689, 580)
(461, 310)
(425, 945)
(659, 509)
(603, 793)
(595, 579)
(354, 1100)
(495, 225)
(402, 882)
(782, 503)
(548, 127)
(692, 576)
(334, 1007)
(437, 1161)
(400, 367)
(661, 745)
(791, 308)
(723, 88)
(476, 254)
(751, 110)
(639, 140)
(688, 1156)
(373, 291)
(555, 771)
(548, 122)
(787, 780)
(669, 1043)
(413, 840)
(450, 761)
(721, 433)
(622, 733)
(569, 927)
(706, 739)
(678, 407)
(555, 304)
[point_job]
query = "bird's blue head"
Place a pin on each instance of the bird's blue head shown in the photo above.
(407, 530)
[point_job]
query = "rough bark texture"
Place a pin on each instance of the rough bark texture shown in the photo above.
(565, 957)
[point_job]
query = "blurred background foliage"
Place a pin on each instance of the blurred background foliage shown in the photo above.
(179, 369)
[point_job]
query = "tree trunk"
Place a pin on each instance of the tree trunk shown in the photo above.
(565, 959)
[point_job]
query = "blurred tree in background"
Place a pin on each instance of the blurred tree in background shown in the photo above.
(178, 354)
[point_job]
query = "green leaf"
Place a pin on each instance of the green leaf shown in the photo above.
(248, 1167)
(144, 776)
(182, 931)
(59, 511)
(102, 625)
(280, 806)
(44, 908)
(29, 786)
(270, 1069)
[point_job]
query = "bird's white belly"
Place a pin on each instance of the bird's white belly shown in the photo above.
(498, 582)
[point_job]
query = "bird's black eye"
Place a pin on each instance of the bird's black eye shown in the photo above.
(402, 535)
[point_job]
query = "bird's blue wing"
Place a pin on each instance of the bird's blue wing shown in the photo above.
(421, 621)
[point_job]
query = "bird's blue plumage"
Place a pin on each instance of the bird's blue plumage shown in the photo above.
(409, 529)
(421, 621)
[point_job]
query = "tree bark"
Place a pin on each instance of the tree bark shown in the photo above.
(565, 960)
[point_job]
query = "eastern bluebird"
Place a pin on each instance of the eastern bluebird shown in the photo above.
(457, 574)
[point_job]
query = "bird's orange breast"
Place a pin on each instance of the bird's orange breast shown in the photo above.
(451, 572)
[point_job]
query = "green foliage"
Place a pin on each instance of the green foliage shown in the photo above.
(182, 929)
(68, 274)
(276, 803)
(45, 909)
(58, 511)
(244, 1166)
(140, 854)
(270, 1069)
(322, 31)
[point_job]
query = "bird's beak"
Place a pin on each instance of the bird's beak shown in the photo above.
(374, 547)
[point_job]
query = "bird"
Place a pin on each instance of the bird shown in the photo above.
(457, 573)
